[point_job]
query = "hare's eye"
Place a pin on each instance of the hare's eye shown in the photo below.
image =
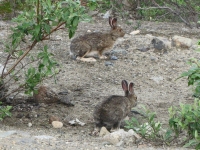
(120, 30)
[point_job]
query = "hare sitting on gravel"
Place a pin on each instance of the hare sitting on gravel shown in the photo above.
(113, 110)
(95, 43)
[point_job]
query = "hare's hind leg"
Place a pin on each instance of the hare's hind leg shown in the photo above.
(90, 59)
(101, 56)
(116, 126)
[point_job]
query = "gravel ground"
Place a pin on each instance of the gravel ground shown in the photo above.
(153, 72)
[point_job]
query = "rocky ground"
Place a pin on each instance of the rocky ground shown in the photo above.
(134, 58)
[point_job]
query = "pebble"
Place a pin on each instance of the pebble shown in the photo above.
(29, 124)
(114, 57)
(153, 58)
(108, 63)
(57, 124)
(118, 51)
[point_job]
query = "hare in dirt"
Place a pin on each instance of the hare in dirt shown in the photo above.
(95, 43)
(113, 110)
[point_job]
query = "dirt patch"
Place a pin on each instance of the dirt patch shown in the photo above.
(153, 73)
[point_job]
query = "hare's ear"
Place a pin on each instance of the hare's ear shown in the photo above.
(124, 85)
(113, 22)
(110, 22)
(131, 85)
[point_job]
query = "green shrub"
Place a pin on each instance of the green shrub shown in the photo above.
(193, 75)
(5, 111)
(149, 128)
(186, 118)
(35, 24)
(183, 119)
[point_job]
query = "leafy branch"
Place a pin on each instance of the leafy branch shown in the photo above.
(37, 24)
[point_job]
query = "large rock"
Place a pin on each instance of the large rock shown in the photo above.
(103, 132)
(120, 136)
(181, 42)
(160, 43)
(46, 95)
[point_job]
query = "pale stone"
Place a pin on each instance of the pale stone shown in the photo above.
(181, 42)
(103, 131)
(29, 124)
(57, 124)
(120, 136)
(135, 32)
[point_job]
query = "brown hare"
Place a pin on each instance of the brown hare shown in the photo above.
(96, 42)
(113, 110)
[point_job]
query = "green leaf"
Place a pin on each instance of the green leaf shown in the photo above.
(47, 28)
(196, 134)
(37, 29)
(75, 21)
(190, 143)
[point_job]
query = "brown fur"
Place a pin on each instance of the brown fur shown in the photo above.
(96, 42)
(113, 110)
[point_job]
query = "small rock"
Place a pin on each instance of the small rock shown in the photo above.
(114, 57)
(29, 124)
(153, 58)
(76, 121)
(157, 79)
(107, 14)
(72, 122)
(53, 118)
(143, 49)
(59, 37)
(108, 63)
(89, 31)
(181, 42)
(118, 51)
(161, 43)
(103, 131)
(46, 95)
(119, 136)
(66, 100)
(135, 32)
(79, 122)
(57, 124)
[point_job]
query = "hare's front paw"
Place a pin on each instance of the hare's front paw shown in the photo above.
(103, 57)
